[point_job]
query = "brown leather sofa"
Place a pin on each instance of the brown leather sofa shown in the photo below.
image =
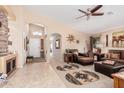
(120, 59)
(110, 69)
(84, 59)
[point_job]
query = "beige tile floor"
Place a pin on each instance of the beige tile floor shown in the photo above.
(45, 75)
(35, 75)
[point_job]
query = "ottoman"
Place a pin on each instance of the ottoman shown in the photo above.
(108, 69)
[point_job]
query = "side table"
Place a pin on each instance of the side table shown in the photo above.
(118, 80)
(68, 57)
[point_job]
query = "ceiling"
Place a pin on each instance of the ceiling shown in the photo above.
(67, 14)
(8, 12)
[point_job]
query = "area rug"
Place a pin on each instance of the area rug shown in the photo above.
(102, 82)
(81, 77)
(66, 67)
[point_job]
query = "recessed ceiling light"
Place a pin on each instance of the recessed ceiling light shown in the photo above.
(110, 13)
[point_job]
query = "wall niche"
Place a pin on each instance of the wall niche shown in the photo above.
(4, 30)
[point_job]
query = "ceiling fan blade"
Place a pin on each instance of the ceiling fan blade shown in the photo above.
(95, 8)
(83, 11)
(80, 17)
(97, 14)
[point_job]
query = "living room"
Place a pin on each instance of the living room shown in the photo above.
(82, 50)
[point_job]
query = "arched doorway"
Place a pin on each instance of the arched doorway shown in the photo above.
(55, 45)
(37, 42)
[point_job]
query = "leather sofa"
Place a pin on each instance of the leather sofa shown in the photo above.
(82, 58)
(110, 69)
(120, 59)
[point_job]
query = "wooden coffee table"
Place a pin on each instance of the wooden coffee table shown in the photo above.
(68, 57)
(118, 80)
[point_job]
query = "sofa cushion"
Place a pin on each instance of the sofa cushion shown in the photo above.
(109, 62)
(86, 58)
(108, 55)
(115, 56)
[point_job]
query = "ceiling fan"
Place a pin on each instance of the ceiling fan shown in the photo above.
(91, 12)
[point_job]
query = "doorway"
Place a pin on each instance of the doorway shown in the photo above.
(34, 49)
(55, 46)
(36, 43)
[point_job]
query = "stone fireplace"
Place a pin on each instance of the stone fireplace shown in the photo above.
(4, 30)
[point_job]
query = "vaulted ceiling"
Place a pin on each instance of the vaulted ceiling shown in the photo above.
(113, 16)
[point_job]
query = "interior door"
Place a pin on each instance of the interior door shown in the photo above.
(35, 47)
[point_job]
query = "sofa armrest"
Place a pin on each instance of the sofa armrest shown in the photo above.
(103, 55)
(82, 54)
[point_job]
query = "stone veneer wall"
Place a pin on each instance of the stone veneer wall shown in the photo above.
(4, 30)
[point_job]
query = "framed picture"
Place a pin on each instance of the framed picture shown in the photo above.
(118, 39)
(106, 40)
(24, 43)
(57, 44)
(0, 24)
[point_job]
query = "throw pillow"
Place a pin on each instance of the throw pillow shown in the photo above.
(108, 62)
(115, 56)
(75, 53)
(108, 55)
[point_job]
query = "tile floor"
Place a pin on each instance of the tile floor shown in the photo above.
(35, 75)
(45, 75)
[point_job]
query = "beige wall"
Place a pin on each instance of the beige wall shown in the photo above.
(56, 53)
(109, 33)
(53, 26)
(18, 31)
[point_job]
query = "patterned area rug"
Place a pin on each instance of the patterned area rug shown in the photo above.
(67, 67)
(102, 82)
(81, 77)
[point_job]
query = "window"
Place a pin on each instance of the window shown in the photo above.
(37, 33)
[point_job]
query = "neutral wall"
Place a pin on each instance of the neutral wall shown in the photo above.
(18, 31)
(53, 26)
(109, 33)
(56, 53)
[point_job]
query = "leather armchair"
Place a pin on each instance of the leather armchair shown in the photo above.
(84, 59)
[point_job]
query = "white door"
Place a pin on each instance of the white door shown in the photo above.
(34, 47)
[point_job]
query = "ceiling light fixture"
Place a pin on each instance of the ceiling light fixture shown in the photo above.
(110, 13)
(37, 33)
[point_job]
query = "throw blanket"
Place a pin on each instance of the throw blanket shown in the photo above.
(3, 80)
